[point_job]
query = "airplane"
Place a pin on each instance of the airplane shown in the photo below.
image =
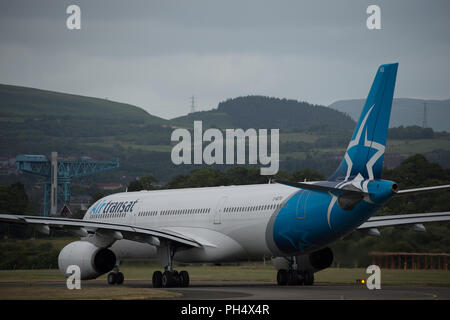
(294, 223)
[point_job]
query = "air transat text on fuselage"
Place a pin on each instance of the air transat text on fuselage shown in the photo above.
(114, 206)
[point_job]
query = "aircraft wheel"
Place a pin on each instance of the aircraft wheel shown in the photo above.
(282, 277)
(112, 278)
(184, 278)
(157, 279)
(309, 278)
(167, 279)
(293, 278)
(120, 278)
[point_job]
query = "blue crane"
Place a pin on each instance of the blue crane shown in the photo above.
(66, 171)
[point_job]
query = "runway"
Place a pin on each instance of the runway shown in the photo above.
(223, 290)
(270, 291)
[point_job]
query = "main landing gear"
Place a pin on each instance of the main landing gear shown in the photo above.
(170, 278)
(115, 277)
(293, 276)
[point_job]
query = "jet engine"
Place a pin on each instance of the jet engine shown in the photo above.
(315, 261)
(92, 260)
(321, 259)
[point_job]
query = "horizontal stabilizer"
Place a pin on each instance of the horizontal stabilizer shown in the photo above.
(317, 187)
(425, 189)
(404, 219)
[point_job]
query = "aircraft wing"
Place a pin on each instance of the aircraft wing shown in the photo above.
(109, 231)
(413, 220)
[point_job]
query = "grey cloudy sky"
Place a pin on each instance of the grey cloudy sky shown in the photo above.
(156, 54)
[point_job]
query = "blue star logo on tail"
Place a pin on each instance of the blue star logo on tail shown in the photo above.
(356, 143)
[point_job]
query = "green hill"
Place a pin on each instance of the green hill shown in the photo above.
(268, 112)
(22, 102)
(39, 121)
(36, 121)
(405, 112)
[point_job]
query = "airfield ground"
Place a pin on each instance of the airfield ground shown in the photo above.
(211, 281)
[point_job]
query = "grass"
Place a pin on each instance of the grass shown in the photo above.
(153, 148)
(27, 289)
(388, 277)
(30, 292)
(405, 148)
(57, 243)
(417, 146)
(295, 155)
(254, 272)
(299, 137)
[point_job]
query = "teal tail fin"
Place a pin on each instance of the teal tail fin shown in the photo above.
(365, 152)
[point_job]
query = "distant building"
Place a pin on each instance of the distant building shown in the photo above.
(81, 185)
(80, 202)
(4, 162)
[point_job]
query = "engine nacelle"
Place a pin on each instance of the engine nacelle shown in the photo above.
(92, 260)
(321, 259)
(315, 261)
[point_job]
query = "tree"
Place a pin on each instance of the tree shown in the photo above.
(413, 172)
(97, 196)
(146, 182)
(308, 174)
(417, 171)
(13, 199)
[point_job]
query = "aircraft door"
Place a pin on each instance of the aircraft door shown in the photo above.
(301, 204)
(219, 210)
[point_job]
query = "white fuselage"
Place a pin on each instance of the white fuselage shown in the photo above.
(230, 222)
